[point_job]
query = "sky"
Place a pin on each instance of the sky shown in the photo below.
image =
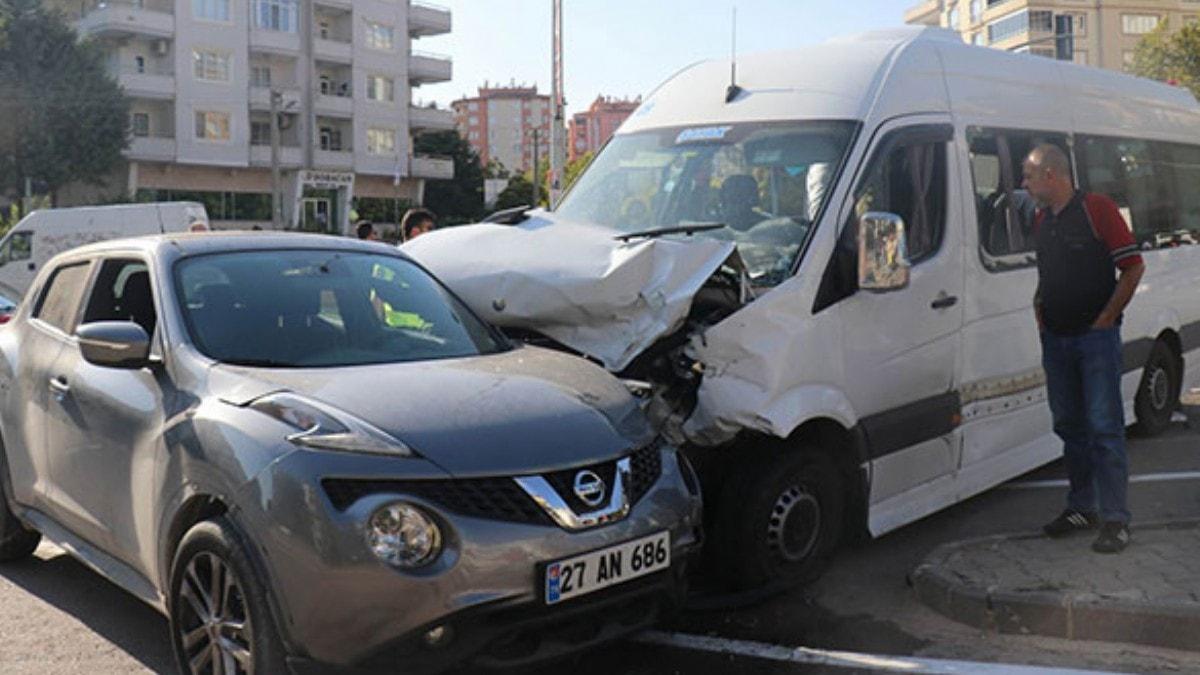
(624, 48)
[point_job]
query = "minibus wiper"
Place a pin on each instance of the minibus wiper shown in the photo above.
(687, 228)
(509, 216)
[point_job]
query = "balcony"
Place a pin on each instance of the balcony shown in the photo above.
(334, 159)
(427, 19)
(120, 18)
(426, 68)
(433, 168)
(274, 42)
(289, 156)
(430, 119)
(334, 51)
(155, 83)
(151, 148)
(341, 105)
(260, 97)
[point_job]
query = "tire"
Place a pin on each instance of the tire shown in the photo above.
(779, 520)
(1158, 392)
(17, 542)
(213, 548)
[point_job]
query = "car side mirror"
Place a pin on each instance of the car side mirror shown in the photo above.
(882, 252)
(114, 344)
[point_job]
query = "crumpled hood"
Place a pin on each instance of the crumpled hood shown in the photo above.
(575, 283)
(527, 410)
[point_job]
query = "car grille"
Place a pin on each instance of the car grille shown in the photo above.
(501, 498)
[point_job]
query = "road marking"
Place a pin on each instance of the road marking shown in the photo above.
(1144, 478)
(836, 659)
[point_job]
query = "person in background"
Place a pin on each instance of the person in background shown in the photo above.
(417, 222)
(366, 231)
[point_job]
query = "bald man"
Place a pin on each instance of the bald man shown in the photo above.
(1088, 270)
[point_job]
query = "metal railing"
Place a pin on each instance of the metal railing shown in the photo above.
(149, 5)
(160, 70)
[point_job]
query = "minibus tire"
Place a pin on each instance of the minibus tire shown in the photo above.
(17, 542)
(763, 528)
(216, 539)
(1158, 391)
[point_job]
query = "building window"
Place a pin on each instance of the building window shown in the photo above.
(212, 126)
(139, 64)
(212, 10)
(381, 141)
(210, 66)
(260, 76)
(1010, 26)
(473, 106)
(952, 19)
(980, 39)
(380, 36)
(379, 88)
(140, 122)
(976, 11)
(1041, 22)
(279, 15)
(260, 133)
(331, 139)
(1078, 24)
(1138, 24)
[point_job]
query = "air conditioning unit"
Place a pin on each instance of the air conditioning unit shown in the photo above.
(161, 47)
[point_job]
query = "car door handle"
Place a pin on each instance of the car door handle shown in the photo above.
(943, 301)
(59, 386)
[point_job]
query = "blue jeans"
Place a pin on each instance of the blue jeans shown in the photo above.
(1083, 381)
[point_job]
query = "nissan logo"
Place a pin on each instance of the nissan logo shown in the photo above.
(589, 488)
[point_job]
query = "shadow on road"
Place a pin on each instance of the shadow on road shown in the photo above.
(110, 612)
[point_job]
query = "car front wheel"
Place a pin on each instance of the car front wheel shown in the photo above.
(220, 621)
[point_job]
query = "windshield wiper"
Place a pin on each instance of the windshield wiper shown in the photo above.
(686, 228)
(509, 216)
(259, 363)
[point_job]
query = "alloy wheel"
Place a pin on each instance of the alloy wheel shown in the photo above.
(215, 627)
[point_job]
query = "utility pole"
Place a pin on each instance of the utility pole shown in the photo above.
(536, 166)
(276, 197)
(558, 145)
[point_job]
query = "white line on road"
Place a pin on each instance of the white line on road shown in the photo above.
(1144, 478)
(820, 657)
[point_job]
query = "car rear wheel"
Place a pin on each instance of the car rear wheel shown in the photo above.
(779, 520)
(17, 542)
(1158, 392)
(220, 621)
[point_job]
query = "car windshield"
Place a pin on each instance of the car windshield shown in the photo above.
(765, 183)
(314, 309)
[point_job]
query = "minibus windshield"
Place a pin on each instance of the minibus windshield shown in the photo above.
(764, 183)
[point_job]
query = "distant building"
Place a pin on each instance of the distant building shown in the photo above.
(200, 76)
(590, 130)
(500, 121)
(1101, 33)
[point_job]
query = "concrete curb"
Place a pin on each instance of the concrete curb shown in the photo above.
(1054, 613)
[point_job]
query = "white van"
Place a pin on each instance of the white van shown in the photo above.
(742, 252)
(42, 234)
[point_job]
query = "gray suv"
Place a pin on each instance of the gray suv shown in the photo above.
(310, 455)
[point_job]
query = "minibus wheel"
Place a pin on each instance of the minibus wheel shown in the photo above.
(1158, 392)
(779, 519)
(218, 606)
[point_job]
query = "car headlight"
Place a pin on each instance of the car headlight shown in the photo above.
(401, 534)
(321, 426)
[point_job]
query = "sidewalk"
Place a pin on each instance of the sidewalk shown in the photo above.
(1031, 584)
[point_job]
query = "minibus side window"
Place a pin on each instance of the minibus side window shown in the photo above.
(17, 247)
(1003, 208)
(1152, 183)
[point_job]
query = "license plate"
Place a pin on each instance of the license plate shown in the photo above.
(596, 570)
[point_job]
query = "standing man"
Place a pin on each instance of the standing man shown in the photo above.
(366, 231)
(1083, 244)
(416, 222)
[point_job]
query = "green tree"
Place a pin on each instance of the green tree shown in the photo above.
(1170, 56)
(459, 200)
(518, 193)
(64, 118)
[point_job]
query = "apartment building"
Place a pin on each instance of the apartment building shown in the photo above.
(1101, 33)
(202, 74)
(500, 122)
(589, 130)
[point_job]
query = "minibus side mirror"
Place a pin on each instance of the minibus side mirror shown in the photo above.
(882, 252)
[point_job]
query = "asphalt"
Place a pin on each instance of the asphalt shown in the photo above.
(1031, 584)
